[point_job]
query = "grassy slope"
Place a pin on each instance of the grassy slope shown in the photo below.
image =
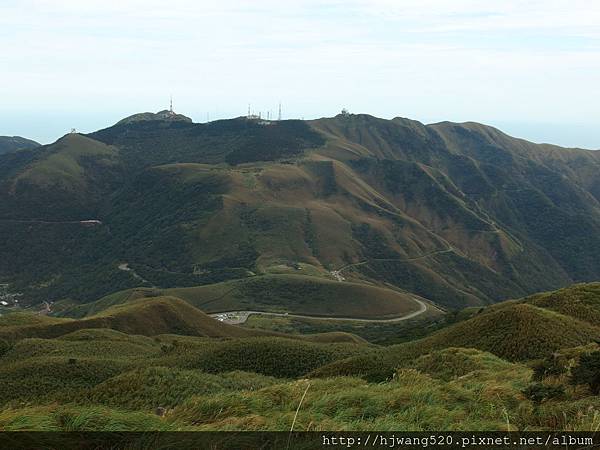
(10, 144)
(147, 317)
(580, 301)
(299, 294)
(413, 400)
(514, 331)
(517, 332)
(276, 293)
(63, 167)
(386, 193)
(72, 367)
(454, 389)
(113, 380)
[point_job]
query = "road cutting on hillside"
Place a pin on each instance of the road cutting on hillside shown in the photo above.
(337, 274)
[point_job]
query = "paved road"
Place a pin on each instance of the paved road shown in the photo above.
(237, 317)
(54, 222)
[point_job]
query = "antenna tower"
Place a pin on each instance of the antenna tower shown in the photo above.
(279, 114)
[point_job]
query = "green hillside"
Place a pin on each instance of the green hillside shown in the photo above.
(64, 182)
(301, 295)
(275, 293)
(580, 301)
(460, 214)
(149, 317)
(515, 331)
(9, 144)
(145, 317)
(158, 363)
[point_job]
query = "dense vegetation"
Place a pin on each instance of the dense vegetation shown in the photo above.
(280, 293)
(132, 234)
(234, 141)
(9, 144)
(459, 214)
(103, 379)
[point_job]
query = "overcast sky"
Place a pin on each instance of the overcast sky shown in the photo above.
(529, 67)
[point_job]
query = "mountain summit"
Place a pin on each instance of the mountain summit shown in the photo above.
(14, 143)
(460, 214)
(165, 115)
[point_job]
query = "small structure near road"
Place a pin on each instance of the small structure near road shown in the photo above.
(230, 317)
(337, 274)
(8, 298)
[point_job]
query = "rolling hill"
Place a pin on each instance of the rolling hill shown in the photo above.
(10, 144)
(522, 330)
(82, 375)
(581, 302)
(144, 317)
(296, 294)
(460, 214)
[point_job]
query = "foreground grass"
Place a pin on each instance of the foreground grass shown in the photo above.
(452, 389)
(80, 418)
(516, 375)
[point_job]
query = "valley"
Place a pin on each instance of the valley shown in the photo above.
(298, 225)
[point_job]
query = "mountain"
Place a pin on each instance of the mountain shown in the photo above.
(165, 115)
(10, 144)
(460, 214)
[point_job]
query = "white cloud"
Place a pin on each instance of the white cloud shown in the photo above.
(428, 59)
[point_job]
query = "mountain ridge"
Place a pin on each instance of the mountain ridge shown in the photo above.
(459, 214)
(9, 144)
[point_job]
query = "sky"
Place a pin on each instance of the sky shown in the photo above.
(530, 68)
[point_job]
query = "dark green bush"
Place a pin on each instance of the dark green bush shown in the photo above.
(538, 392)
(588, 372)
(547, 367)
(5, 346)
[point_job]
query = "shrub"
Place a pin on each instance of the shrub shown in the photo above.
(4, 347)
(588, 372)
(547, 367)
(282, 358)
(538, 392)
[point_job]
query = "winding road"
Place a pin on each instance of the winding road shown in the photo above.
(337, 274)
(367, 261)
(237, 317)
